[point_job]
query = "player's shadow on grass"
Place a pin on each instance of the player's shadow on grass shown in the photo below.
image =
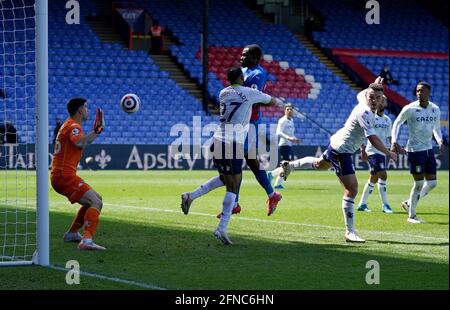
(180, 252)
(431, 213)
(409, 242)
(404, 214)
(436, 223)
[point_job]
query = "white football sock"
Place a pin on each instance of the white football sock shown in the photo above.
(278, 181)
(227, 206)
(382, 188)
(347, 209)
(206, 187)
(368, 189)
(414, 197)
(277, 171)
(303, 163)
(427, 187)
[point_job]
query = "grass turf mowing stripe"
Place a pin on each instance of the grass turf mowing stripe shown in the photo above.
(278, 222)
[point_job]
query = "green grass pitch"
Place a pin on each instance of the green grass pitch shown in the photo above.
(301, 246)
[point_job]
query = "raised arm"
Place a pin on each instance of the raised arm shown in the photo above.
(86, 140)
(98, 126)
(361, 96)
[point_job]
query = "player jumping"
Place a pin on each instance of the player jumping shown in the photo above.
(254, 77)
(236, 104)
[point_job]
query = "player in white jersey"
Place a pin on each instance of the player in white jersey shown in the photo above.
(255, 77)
(236, 103)
(285, 132)
(423, 120)
(343, 144)
(377, 161)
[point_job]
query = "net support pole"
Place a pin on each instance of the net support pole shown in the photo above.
(43, 244)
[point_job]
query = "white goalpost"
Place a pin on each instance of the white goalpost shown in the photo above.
(24, 158)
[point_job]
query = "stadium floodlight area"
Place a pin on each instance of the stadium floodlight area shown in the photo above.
(24, 230)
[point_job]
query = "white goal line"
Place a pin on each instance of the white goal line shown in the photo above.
(108, 278)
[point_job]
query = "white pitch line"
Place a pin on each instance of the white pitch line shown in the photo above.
(277, 222)
(113, 279)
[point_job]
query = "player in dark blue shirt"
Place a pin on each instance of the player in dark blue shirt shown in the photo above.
(255, 77)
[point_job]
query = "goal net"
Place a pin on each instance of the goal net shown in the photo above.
(21, 125)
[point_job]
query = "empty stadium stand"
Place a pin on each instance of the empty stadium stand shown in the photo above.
(80, 64)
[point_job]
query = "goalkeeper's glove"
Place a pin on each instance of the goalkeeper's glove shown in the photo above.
(99, 122)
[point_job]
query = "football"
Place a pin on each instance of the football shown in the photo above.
(130, 103)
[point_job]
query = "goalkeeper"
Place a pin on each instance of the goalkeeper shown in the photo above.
(69, 147)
